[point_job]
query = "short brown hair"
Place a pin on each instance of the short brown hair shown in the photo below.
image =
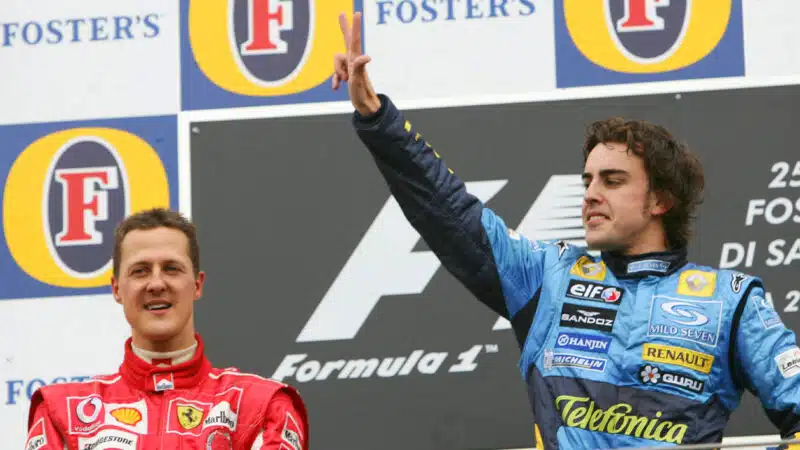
(156, 218)
(672, 169)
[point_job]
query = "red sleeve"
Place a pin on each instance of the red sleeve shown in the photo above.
(285, 424)
(42, 433)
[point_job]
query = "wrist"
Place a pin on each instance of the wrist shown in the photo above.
(369, 106)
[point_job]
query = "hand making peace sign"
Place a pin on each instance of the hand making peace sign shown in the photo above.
(351, 68)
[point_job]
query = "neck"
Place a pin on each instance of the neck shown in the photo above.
(651, 240)
(169, 358)
(182, 341)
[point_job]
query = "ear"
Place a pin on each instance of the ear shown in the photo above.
(115, 289)
(199, 280)
(660, 203)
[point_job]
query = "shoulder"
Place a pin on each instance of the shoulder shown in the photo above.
(233, 377)
(259, 392)
(704, 281)
(58, 397)
(93, 385)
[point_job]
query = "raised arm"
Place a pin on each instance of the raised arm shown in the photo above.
(503, 269)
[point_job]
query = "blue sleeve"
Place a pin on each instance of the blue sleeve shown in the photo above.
(501, 268)
(769, 361)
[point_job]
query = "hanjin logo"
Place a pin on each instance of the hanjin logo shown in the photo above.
(587, 317)
(582, 290)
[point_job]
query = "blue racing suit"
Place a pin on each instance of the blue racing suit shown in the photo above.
(616, 351)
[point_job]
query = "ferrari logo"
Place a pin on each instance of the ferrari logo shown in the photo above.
(189, 417)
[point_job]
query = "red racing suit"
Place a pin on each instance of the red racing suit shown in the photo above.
(186, 406)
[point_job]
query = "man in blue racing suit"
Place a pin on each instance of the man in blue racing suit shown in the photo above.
(637, 347)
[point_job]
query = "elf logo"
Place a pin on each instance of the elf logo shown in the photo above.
(582, 290)
(384, 263)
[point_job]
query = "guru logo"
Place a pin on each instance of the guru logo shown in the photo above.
(66, 192)
(611, 41)
(259, 48)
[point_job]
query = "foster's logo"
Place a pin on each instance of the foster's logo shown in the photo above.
(246, 52)
(66, 190)
(617, 41)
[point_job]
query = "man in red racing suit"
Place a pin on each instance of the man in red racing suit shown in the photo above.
(188, 405)
(166, 394)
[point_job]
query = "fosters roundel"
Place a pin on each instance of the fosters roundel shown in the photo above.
(66, 192)
(646, 36)
(266, 47)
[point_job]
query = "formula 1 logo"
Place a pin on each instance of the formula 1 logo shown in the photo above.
(253, 52)
(613, 41)
(65, 191)
(384, 263)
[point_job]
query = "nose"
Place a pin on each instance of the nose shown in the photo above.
(156, 282)
(592, 194)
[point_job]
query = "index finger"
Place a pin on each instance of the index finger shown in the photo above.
(344, 26)
(355, 35)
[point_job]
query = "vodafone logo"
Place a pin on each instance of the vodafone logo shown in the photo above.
(88, 409)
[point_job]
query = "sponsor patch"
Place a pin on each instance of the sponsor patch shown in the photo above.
(583, 290)
(109, 439)
(584, 267)
(37, 438)
(766, 313)
(689, 320)
(562, 247)
(291, 434)
(697, 283)
(225, 412)
(737, 280)
(667, 354)
(189, 416)
(651, 374)
(648, 265)
(84, 414)
(583, 342)
(130, 416)
(163, 382)
(554, 360)
(619, 418)
(221, 439)
(587, 317)
(185, 415)
(789, 362)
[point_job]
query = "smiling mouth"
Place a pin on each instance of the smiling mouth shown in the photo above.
(158, 306)
(594, 217)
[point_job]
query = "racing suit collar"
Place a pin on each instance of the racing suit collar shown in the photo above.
(646, 264)
(144, 376)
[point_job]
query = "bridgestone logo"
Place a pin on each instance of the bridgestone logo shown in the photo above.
(109, 439)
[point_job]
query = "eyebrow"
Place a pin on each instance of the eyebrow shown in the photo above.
(605, 173)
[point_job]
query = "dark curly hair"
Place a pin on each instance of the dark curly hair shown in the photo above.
(673, 171)
(156, 218)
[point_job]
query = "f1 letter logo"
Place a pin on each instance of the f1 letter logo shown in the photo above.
(85, 200)
(265, 21)
(642, 15)
(383, 263)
